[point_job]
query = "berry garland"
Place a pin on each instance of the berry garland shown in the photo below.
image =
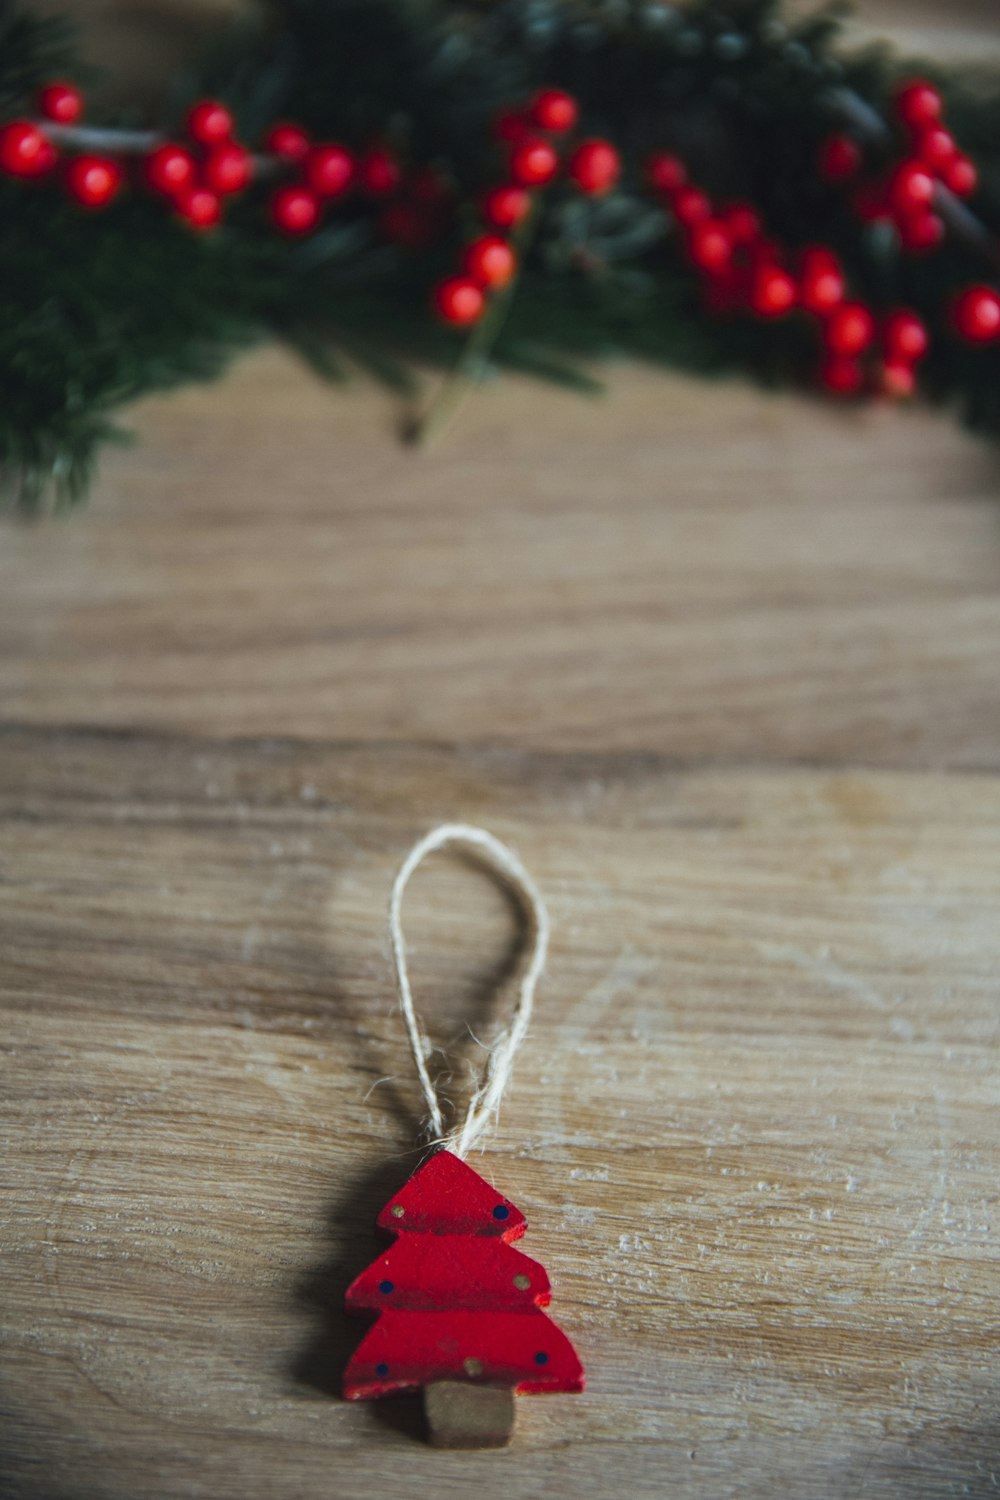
(805, 272)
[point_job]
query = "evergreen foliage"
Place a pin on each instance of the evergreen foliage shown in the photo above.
(98, 308)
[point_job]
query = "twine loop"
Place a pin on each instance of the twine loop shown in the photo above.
(485, 1102)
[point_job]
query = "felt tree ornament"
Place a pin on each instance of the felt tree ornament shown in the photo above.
(458, 1309)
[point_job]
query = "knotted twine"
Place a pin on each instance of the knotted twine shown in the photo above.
(485, 1102)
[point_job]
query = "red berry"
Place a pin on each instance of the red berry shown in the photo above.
(23, 150)
(742, 222)
(904, 338)
(821, 286)
(772, 292)
(911, 187)
(288, 141)
(844, 377)
(666, 173)
(506, 206)
(47, 158)
(533, 161)
(61, 102)
(870, 204)
(975, 314)
(960, 176)
(378, 172)
(724, 293)
(294, 210)
(490, 261)
(710, 245)
(935, 146)
(330, 170)
(839, 158)
(553, 110)
(209, 123)
(920, 232)
(201, 208)
(228, 169)
(429, 186)
(595, 167)
(459, 300)
(170, 169)
(849, 330)
(511, 125)
(93, 180)
(898, 379)
(407, 224)
(689, 205)
(917, 103)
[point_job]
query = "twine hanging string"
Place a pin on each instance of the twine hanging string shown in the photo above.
(485, 1102)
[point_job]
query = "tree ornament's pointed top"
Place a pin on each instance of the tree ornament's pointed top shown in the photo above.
(445, 1196)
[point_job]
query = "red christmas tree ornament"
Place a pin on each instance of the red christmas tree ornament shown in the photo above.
(209, 123)
(228, 169)
(170, 169)
(665, 173)
(533, 161)
(839, 158)
(918, 103)
(459, 301)
(490, 261)
(93, 180)
(61, 103)
(553, 110)
(595, 167)
(288, 141)
(458, 1310)
(378, 172)
(330, 170)
(505, 206)
(24, 150)
(975, 314)
(294, 210)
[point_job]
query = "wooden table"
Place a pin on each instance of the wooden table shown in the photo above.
(724, 668)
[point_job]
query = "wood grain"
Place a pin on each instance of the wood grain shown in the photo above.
(724, 668)
(754, 1132)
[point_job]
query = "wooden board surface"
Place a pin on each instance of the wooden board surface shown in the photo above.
(724, 668)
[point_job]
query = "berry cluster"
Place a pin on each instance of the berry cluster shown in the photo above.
(198, 177)
(533, 163)
(745, 271)
(906, 194)
(198, 173)
(26, 150)
(325, 171)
